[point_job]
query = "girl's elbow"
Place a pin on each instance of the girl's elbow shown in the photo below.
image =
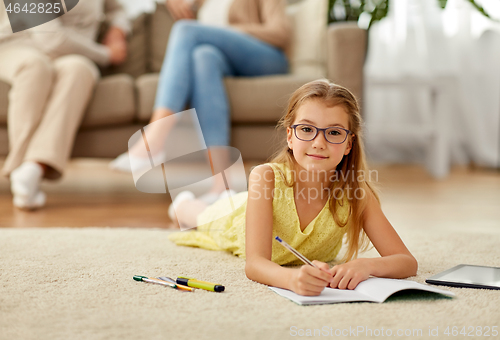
(413, 266)
(253, 269)
(249, 270)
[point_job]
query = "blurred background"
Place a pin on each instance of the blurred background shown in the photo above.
(431, 79)
(430, 97)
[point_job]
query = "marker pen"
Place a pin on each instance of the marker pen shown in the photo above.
(187, 281)
(158, 282)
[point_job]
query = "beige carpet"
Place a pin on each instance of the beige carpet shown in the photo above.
(77, 283)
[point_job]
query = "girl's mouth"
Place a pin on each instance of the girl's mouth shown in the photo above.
(318, 157)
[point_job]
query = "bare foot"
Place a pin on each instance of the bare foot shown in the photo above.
(155, 133)
(188, 211)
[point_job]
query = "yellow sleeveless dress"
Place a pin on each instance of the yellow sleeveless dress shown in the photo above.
(321, 240)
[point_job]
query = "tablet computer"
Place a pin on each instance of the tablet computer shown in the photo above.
(468, 276)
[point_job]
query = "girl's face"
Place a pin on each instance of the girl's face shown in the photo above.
(318, 154)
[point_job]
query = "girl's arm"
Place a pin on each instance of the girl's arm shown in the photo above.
(258, 242)
(395, 262)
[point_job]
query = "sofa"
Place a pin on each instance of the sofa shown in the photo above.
(123, 99)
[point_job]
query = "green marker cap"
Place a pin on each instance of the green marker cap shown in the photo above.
(139, 277)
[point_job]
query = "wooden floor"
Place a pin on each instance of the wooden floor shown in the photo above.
(90, 195)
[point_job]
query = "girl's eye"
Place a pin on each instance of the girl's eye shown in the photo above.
(334, 132)
(306, 129)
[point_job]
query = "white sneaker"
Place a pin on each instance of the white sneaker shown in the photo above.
(226, 194)
(25, 186)
(24, 203)
(121, 163)
(209, 198)
(181, 197)
(125, 162)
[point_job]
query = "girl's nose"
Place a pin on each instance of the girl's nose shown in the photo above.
(320, 141)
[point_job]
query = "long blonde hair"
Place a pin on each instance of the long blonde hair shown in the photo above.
(333, 95)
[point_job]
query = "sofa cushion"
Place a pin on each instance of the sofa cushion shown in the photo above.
(257, 142)
(137, 52)
(308, 52)
(261, 99)
(146, 93)
(108, 142)
(159, 31)
(254, 142)
(251, 100)
(113, 102)
(4, 141)
(4, 102)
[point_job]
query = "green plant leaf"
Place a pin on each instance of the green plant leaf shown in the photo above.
(380, 9)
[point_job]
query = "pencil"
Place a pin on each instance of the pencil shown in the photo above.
(295, 252)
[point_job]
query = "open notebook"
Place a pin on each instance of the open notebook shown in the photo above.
(372, 290)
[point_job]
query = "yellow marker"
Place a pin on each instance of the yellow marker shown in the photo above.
(187, 281)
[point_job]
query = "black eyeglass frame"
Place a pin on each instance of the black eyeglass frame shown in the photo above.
(294, 127)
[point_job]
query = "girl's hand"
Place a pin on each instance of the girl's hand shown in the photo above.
(311, 281)
(350, 274)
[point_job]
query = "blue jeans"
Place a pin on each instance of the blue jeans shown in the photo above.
(198, 58)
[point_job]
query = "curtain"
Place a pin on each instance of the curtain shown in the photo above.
(421, 41)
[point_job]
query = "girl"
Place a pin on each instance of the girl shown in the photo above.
(311, 194)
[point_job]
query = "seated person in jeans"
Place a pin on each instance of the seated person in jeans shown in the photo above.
(52, 70)
(230, 38)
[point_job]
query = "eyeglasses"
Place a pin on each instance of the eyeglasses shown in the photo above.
(333, 135)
